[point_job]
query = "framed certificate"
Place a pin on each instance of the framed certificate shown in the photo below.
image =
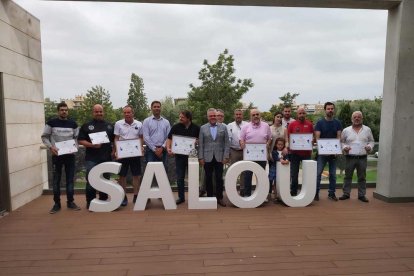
(300, 141)
(357, 148)
(98, 138)
(255, 152)
(182, 144)
(329, 146)
(128, 148)
(66, 147)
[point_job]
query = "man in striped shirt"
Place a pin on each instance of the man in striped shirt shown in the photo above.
(58, 130)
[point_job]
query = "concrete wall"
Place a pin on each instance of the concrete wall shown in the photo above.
(395, 169)
(21, 64)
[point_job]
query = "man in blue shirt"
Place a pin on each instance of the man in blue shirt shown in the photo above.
(155, 131)
(327, 127)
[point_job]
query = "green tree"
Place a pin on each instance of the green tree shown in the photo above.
(219, 88)
(344, 113)
(137, 98)
(50, 109)
(168, 110)
(286, 99)
(371, 110)
(96, 95)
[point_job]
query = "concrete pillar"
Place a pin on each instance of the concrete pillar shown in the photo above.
(396, 150)
(22, 103)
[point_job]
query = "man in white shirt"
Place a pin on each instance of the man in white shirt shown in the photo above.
(287, 112)
(127, 129)
(357, 141)
(236, 152)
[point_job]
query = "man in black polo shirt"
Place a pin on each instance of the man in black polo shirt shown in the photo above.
(184, 128)
(96, 153)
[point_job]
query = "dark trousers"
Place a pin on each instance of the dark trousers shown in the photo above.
(90, 191)
(248, 175)
(295, 161)
(181, 164)
(67, 160)
(217, 168)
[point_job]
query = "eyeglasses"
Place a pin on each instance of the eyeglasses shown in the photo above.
(256, 114)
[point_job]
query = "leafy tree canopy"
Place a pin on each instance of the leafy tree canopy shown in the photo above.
(96, 95)
(137, 98)
(219, 88)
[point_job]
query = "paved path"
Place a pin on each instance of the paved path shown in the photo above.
(326, 238)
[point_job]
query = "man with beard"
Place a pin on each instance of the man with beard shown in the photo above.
(58, 130)
(236, 152)
(254, 132)
(301, 125)
(96, 153)
(184, 128)
(327, 127)
(287, 111)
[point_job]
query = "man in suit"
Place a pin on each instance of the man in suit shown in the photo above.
(213, 153)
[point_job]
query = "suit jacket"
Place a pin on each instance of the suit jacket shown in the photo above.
(209, 148)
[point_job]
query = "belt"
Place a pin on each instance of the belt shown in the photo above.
(356, 156)
(236, 149)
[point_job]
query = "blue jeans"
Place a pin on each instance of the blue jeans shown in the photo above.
(150, 156)
(67, 160)
(181, 164)
(295, 161)
(322, 160)
(90, 191)
(248, 175)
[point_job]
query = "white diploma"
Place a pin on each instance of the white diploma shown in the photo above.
(329, 146)
(66, 147)
(128, 148)
(182, 144)
(255, 152)
(357, 148)
(300, 141)
(98, 138)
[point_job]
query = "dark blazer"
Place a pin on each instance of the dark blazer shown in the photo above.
(207, 147)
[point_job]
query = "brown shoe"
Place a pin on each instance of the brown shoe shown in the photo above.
(221, 203)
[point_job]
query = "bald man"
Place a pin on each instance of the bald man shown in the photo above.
(301, 125)
(96, 153)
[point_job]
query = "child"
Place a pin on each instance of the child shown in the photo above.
(276, 155)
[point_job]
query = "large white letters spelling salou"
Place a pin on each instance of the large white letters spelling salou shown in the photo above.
(308, 190)
(114, 190)
(262, 186)
(194, 202)
(163, 191)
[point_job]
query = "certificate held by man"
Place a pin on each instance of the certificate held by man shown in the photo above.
(255, 152)
(128, 148)
(329, 146)
(98, 138)
(183, 144)
(66, 147)
(301, 141)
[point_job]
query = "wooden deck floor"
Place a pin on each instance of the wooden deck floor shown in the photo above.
(326, 238)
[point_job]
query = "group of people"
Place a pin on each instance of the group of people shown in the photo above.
(218, 144)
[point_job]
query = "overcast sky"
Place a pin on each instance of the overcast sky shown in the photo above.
(323, 54)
